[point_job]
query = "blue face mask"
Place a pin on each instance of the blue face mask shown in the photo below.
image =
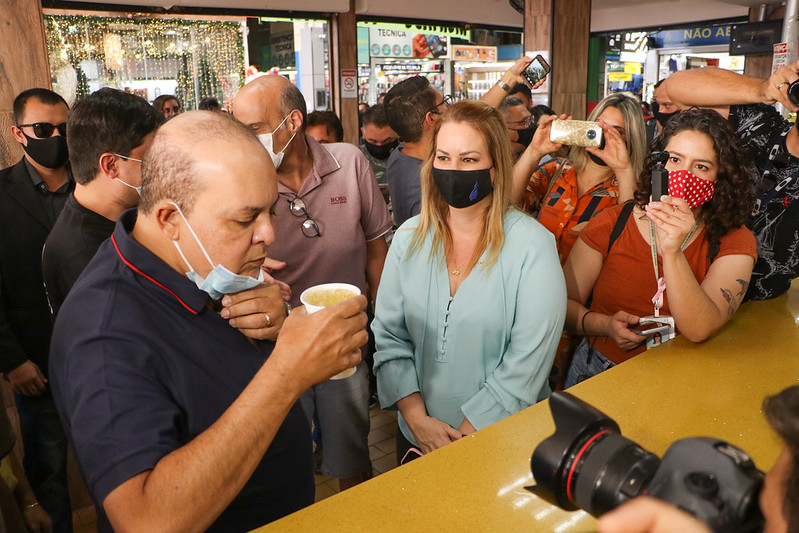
(220, 280)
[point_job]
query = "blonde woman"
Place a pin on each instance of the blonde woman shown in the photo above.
(472, 298)
(567, 193)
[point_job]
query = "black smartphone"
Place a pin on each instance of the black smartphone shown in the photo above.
(437, 48)
(536, 71)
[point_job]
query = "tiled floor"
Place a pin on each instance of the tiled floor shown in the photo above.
(382, 445)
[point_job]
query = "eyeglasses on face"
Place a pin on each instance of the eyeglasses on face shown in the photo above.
(44, 130)
(309, 227)
(446, 102)
(523, 123)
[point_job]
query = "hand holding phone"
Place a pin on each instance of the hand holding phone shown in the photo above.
(536, 71)
(576, 133)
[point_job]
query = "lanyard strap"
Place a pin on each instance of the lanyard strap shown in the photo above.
(657, 300)
(778, 141)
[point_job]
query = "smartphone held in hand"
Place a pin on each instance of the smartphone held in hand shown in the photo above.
(536, 71)
(576, 133)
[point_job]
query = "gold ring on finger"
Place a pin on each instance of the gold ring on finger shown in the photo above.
(268, 320)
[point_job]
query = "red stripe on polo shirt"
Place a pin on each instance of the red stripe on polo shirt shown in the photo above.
(133, 267)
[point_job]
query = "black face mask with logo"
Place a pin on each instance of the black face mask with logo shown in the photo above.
(380, 151)
(463, 188)
(51, 152)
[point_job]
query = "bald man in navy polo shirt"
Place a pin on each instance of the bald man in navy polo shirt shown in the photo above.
(179, 421)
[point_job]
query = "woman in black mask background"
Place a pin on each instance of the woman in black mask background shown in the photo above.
(565, 194)
(471, 300)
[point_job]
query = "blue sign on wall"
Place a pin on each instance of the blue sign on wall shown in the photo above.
(696, 36)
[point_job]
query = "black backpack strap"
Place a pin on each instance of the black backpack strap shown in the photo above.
(626, 211)
(615, 233)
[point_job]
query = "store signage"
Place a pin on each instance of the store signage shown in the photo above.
(404, 67)
(282, 45)
(632, 68)
(620, 76)
(406, 44)
(780, 57)
(696, 36)
(474, 53)
(349, 83)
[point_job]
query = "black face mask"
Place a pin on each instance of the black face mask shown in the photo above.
(662, 117)
(526, 135)
(462, 188)
(380, 151)
(51, 152)
(595, 158)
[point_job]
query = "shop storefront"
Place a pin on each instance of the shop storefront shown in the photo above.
(635, 61)
(389, 53)
(295, 48)
(191, 58)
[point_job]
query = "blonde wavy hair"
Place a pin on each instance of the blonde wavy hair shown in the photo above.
(434, 211)
(634, 125)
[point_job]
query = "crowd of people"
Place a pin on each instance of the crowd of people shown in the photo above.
(152, 261)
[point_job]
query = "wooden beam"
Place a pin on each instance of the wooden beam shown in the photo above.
(23, 65)
(344, 43)
(571, 31)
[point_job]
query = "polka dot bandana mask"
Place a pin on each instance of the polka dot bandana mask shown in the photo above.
(686, 184)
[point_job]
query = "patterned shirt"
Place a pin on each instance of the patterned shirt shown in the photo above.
(776, 226)
(563, 212)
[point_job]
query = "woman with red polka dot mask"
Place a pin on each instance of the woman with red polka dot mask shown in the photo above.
(678, 264)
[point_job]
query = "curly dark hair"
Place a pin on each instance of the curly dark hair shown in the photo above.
(782, 412)
(733, 197)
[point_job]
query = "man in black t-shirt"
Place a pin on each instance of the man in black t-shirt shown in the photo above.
(773, 145)
(107, 133)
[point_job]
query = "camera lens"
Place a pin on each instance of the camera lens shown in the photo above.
(591, 134)
(793, 93)
(612, 471)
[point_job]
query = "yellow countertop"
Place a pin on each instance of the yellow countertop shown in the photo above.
(678, 390)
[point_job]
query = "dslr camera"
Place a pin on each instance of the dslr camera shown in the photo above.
(587, 464)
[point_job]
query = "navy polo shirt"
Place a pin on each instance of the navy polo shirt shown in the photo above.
(140, 365)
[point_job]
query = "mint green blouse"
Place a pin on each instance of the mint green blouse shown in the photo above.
(484, 353)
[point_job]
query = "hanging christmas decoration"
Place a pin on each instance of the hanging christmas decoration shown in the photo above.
(149, 56)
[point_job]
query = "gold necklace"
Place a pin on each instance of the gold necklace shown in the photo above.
(457, 271)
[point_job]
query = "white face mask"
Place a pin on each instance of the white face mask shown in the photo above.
(268, 142)
(220, 280)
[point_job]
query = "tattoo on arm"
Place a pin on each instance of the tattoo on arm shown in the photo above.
(734, 300)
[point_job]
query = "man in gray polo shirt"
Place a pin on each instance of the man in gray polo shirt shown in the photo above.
(331, 227)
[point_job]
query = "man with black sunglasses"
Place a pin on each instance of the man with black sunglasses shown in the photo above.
(32, 194)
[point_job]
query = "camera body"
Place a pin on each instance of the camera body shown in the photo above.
(588, 464)
(576, 133)
(660, 176)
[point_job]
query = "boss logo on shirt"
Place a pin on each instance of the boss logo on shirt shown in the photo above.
(338, 200)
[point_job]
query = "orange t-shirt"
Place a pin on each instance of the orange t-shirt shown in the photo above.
(563, 212)
(627, 279)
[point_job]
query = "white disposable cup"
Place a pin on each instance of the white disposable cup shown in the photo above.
(310, 308)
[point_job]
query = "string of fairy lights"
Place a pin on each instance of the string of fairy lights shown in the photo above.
(196, 58)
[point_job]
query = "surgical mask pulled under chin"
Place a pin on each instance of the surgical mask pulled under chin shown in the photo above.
(220, 280)
(267, 139)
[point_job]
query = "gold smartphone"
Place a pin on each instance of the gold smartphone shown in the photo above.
(576, 133)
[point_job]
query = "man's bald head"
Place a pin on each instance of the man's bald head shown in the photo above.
(172, 168)
(270, 99)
